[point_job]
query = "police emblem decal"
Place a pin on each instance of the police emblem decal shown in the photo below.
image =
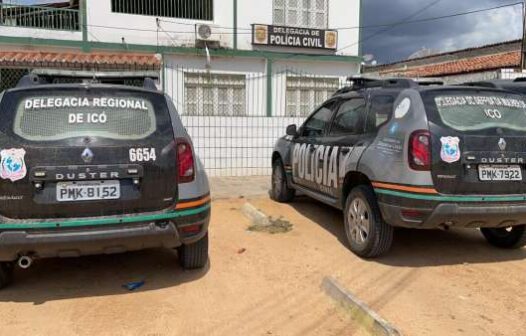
(450, 151)
(12, 164)
(402, 108)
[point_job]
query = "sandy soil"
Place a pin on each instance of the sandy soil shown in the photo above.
(432, 283)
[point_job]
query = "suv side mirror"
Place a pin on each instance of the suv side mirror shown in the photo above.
(292, 130)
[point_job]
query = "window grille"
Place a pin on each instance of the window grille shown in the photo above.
(182, 9)
(304, 94)
(215, 94)
(302, 13)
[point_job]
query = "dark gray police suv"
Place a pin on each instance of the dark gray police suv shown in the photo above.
(97, 169)
(398, 153)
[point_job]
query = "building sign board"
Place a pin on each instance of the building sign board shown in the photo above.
(281, 36)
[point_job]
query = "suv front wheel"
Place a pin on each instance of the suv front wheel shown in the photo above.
(280, 190)
(512, 238)
(369, 236)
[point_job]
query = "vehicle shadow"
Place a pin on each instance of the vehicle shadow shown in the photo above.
(415, 248)
(58, 279)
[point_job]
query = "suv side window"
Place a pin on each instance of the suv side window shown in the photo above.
(350, 118)
(380, 112)
(315, 126)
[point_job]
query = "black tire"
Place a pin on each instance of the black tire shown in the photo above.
(368, 235)
(6, 274)
(194, 255)
(509, 238)
(280, 190)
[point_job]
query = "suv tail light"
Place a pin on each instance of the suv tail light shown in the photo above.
(420, 150)
(185, 162)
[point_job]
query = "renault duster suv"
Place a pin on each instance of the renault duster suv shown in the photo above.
(97, 169)
(397, 153)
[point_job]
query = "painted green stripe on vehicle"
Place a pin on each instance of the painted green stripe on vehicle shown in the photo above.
(105, 221)
(451, 198)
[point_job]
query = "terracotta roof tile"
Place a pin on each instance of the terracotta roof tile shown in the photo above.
(96, 60)
(481, 63)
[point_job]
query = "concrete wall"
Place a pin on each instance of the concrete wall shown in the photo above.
(341, 13)
(172, 32)
(227, 145)
(235, 146)
(40, 33)
(105, 26)
(472, 77)
(484, 75)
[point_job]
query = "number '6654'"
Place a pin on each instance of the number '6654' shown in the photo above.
(142, 154)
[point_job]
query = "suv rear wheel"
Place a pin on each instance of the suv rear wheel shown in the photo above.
(6, 274)
(194, 255)
(369, 236)
(511, 238)
(280, 190)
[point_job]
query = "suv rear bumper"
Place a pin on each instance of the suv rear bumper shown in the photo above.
(467, 215)
(101, 235)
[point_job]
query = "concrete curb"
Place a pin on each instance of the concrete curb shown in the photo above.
(360, 312)
(256, 216)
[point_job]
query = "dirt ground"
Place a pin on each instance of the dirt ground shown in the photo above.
(432, 283)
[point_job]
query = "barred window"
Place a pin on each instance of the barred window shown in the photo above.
(304, 94)
(215, 94)
(301, 13)
(183, 9)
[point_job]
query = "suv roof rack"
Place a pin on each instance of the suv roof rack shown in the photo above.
(360, 83)
(54, 76)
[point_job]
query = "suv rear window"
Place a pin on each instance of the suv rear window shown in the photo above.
(479, 110)
(60, 115)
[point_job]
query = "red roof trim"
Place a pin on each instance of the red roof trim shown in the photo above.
(488, 62)
(78, 59)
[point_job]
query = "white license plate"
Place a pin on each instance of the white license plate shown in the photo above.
(500, 173)
(88, 190)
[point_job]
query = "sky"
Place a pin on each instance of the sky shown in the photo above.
(398, 43)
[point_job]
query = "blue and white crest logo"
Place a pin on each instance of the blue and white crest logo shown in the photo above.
(450, 151)
(13, 166)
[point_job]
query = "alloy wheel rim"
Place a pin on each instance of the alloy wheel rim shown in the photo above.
(359, 221)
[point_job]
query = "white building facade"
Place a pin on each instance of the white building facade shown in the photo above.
(239, 71)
